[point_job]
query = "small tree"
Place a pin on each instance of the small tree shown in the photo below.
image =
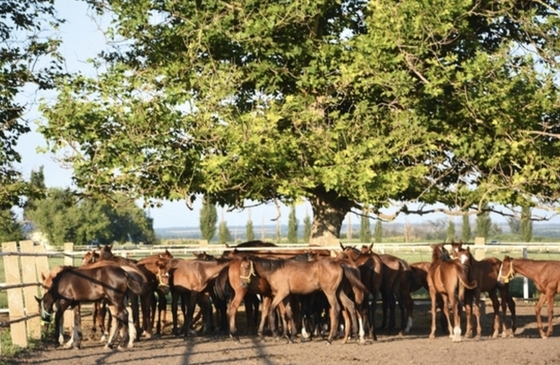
(292, 226)
(208, 220)
(483, 224)
(514, 225)
(378, 232)
(249, 231)
(365, 230)
(407, 232)
(278, 231)
(306, 228)
(10, 228)
(466, 233)
(526, 230)
(450, 231)
(224, 235)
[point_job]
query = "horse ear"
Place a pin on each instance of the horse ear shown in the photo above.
(370, 247)
(111, 247)
(43, 277)
(99, 246)
(39, 300)
(227, 245)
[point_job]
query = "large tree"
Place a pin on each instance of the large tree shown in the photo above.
(351, 105)
(28, 56)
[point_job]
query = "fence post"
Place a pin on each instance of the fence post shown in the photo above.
(15, 298)
(525, 280)
(29, 275)
(479, 250)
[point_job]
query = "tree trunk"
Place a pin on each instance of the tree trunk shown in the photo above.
(329, 211)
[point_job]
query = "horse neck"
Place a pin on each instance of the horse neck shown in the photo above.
(526, 267)
(213, 268)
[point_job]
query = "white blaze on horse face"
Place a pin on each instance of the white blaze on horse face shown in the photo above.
(464, 258)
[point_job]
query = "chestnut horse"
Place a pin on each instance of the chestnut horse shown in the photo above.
(287, 277)
(69, 286)
(545, 274)
(444, 277)
(485, 272)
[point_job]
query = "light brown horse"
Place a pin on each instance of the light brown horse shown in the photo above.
(485, 272)
(545, 274)
(287, 277)
(444, 277)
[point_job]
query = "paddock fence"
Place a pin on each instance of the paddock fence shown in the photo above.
(24, 263)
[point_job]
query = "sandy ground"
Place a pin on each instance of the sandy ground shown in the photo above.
(416, 348)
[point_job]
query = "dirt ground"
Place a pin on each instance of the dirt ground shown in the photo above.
(416, 348)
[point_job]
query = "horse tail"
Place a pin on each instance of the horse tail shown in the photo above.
(221, 284)
(462, 275)
(354, 279)
(135, 283)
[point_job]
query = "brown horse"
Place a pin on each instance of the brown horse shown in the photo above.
(69, 286)
(150, 263)
(444, 277)
(287, 277)
(150, 284)
(193, 276)
(485, 272)
(99, 308)
(545, 274)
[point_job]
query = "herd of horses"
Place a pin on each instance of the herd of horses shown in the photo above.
(300, 292)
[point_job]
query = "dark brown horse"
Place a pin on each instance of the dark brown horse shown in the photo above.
(485, 272)
(99, 308)
(150, 263)
(193, 276)
(444, 277)
(545, 274)
(142, 302)
(69, 286)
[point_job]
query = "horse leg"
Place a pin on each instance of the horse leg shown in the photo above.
(433, 300)
(477, 312)
(147, 318)
(123, 323)
(550, 302)
(190, 313)
(468, 302)
(114, 325)
(496, 306)
(266, 300)
(334, 313)
(132, 335)
(445, 310)
(538, 307)
(76, 338)
(279, 297)
(174, 310)
(456, 318)
(162, 312)
(511, 306)
(350, 318)
(232, 312)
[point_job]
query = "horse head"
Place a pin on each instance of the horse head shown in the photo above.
(46, 307)
(506, 266)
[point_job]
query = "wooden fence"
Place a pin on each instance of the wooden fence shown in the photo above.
(23, 266)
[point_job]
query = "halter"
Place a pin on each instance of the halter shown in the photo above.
(509, 275)
(161, 284)
(251, 272)
(45, 315)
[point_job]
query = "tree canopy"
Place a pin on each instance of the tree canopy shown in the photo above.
(351, 105)
(28, 55)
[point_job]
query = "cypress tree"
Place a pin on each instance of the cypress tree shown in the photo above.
(208, 220)
(466, 233)
(378, 232)
(306, 228)
(292, 226)
(483, 224)
(450, 231)
(526, 228)
(365, 230)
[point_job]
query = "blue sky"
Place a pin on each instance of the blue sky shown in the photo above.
(83, 40)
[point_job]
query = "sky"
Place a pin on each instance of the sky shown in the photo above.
(82, 39)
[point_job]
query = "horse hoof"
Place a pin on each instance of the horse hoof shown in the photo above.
(328, 343)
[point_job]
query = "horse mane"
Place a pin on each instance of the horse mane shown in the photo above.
(268, 264)
(256, 243)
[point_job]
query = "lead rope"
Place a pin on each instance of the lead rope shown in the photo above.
(251, 272)
(509, 275)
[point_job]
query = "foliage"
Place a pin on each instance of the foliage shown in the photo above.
(514, 224)
(306, 228)
(378, 232)
(483, 225)
(365, 230)
(208, 219)
(292, 226)
(526, 229)
(249, 231)
(450, 235)
(347, 104)
(466, 233)
(62, 217)
(26, 41)
(224, 235)
(10, 228)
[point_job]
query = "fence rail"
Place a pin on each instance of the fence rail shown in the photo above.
(24, 265)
